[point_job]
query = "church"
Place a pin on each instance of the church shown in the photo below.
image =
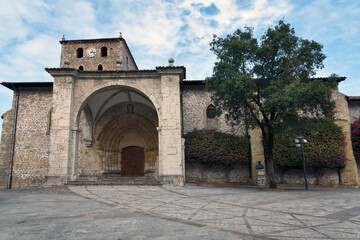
(101, 116)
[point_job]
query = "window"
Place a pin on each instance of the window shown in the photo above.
(81, 68)
(80, 52)
(100, 67)
(211, 111)
(211, 118)
(104, 51)
(130, 108)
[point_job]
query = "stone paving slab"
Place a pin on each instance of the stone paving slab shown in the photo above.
(168, 212)
(51, 214)
(295, 214)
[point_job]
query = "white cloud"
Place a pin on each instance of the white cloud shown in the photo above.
(15, 18)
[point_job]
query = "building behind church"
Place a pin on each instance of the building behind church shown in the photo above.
(102, 115)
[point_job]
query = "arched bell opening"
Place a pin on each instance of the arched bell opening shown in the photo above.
(112, 121)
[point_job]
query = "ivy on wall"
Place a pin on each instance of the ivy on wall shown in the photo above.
(211, 147)
(325, 147)
(355, 138)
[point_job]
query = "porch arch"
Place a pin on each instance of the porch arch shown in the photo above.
(114, 127)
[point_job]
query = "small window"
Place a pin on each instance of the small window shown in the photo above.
(80, 52)
(211, 111)
(81, 68)
(100, 67)
(130, 108)
(104, 51)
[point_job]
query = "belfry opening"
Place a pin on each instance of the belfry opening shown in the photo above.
(117, 134)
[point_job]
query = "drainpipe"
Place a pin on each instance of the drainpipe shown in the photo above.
(14, 136)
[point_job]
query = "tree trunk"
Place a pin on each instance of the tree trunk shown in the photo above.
(269, 162)
(270, 168)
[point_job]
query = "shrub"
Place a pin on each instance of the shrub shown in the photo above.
(211, 147)
(355, 138)
(325, 147)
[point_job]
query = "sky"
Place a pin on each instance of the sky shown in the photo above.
(156, 30)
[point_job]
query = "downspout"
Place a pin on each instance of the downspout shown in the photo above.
(14, 135)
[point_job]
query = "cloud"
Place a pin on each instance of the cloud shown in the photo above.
(26, 61)
(16, 17)
(185, 28)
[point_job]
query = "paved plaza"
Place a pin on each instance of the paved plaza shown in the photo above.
(168, 212)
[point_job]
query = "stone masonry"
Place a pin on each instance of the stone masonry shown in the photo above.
(6, 146)
(117, 49)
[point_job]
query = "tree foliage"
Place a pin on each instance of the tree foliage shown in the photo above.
(211, 147)
(325, 147)
(355, 138)
(269, 81)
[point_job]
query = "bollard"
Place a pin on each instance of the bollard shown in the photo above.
(260, 174)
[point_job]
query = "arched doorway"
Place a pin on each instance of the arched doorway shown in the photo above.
(132, 162)
(114, 122)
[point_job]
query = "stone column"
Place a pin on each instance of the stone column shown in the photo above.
(257, 152)
(61, 132)
(171, 170)
(349, 174)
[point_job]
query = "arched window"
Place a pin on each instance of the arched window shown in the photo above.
(104, 51)
(211, 117)
(80, 52)
(81, 68)
(100, 67)
(211, 111)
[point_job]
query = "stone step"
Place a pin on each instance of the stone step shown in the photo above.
(119, 181)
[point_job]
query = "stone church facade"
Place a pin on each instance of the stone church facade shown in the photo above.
(101, 114)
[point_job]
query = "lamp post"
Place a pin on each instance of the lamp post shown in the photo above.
(299, 142)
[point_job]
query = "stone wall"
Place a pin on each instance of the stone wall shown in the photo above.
(195, 101)
(349, 174)
(32, 142)
(296, 176)
(354, 110)
(217, 173)
(6, 147)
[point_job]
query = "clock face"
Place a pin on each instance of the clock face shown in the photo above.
(91, 52)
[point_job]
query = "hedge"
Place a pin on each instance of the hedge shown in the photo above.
(325, 147)
(211, 147)
(355, 138)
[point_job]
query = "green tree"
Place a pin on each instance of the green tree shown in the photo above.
(268, 82)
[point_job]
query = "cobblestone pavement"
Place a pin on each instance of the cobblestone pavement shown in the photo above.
(191, 212)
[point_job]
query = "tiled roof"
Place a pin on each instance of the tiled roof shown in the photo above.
(193, 82)
(98, 71)
(95, 40)
(15, 85)
(353, 98)
(202, 82)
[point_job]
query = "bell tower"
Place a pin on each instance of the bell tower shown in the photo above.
(104, 54)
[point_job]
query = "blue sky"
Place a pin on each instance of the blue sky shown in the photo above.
(156, 30)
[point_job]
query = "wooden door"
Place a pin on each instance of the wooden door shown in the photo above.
(132, 162)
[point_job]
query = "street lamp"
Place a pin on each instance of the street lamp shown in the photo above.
(299, 142)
